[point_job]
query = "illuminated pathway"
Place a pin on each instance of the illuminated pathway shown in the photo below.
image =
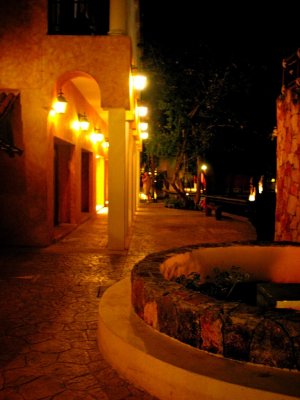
(50, 298)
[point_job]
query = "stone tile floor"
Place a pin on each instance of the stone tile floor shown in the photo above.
(49, 301)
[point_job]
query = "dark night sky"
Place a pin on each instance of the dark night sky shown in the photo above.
(240, 27)
(254, 31)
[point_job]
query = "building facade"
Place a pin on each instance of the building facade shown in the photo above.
(54, 171)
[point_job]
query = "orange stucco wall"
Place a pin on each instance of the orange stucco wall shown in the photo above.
(32, 59)
(33, 63)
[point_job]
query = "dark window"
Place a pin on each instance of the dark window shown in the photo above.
(78, 17)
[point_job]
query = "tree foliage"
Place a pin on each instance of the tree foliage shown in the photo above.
(201, 108)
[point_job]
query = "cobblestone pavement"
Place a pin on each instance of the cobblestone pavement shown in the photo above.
(49, 301)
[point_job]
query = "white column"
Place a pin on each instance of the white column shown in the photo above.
(117, 17)
(137, 175)
(117, 181)
(130, 161)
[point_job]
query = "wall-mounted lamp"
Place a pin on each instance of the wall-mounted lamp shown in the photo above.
(143, 126)
(97, 136)
(142, 111)
(61, 103)
(139, 81)
(52, 112)
(83, 122)
(144, 135)
(105, 144)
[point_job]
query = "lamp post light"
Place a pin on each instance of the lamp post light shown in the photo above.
(203, 169)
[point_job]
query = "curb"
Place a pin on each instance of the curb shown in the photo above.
(171, 370)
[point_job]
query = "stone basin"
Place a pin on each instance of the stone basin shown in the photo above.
(255, 334)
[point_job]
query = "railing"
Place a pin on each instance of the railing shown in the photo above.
(78, 17)
(230, 204)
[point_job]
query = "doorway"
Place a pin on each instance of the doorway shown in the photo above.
(63, 153)
(85, 181)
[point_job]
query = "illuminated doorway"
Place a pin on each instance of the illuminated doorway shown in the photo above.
(100, 183)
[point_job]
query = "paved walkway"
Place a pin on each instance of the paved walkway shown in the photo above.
(49, 302)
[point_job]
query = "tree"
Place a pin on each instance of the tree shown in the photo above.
(197, 101)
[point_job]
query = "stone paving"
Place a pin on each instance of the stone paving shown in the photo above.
(49, 301)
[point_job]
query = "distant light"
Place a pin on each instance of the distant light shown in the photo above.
(143, 196)
(261, 185)
(252, 197)
(101, 209)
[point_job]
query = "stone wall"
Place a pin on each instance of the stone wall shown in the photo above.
(231, 329)
(287, 224)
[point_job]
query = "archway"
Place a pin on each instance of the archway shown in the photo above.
(76, 176)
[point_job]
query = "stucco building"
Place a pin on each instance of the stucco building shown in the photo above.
(287, 220)
(53, 171)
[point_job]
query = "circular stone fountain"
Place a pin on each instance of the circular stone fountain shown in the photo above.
(259, 334)
(181, 344)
